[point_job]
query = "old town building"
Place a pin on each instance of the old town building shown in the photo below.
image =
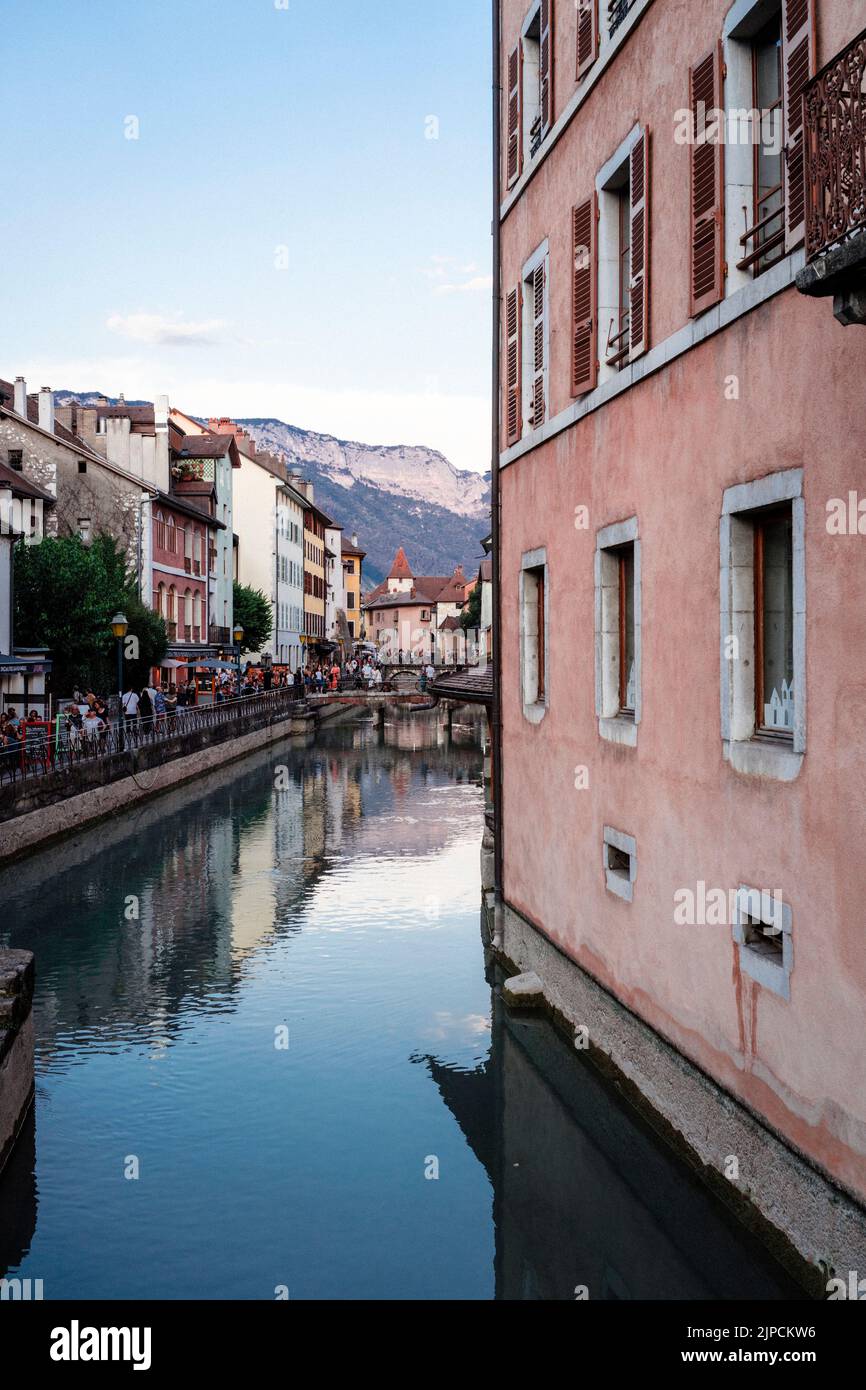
(681, 632)
(353, 564)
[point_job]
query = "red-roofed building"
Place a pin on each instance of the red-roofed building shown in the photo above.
(416, 614)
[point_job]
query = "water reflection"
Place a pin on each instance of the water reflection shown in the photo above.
(587, 1200)
(329, 889)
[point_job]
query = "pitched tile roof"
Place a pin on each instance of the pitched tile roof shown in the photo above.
(473, 686)
(400, 568)
(13, 481)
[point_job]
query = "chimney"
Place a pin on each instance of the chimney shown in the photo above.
(102, 400)
(121, 400)
(46, 409)
(20, 398)
(355, 539)
(162, 461)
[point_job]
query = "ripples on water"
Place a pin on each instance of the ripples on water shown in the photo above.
(326, 897)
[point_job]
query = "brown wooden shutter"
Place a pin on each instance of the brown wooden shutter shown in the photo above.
(584, 311)
(640, 247)
(512, 367)
(798, 65)
(538, 401)
(587, 35)
(546, 65)
(707, 262)
(513, 147)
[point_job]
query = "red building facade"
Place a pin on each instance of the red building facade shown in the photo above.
(679, 627)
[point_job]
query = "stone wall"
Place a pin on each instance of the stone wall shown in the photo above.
(65, 801)
(16, 1045)
(814, 1227)
(108, 502)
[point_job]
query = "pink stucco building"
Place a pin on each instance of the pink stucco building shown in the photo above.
(682, 624)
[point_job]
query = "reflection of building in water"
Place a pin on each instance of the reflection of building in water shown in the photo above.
(155, 913)
(18, 1198)
(585, 1195)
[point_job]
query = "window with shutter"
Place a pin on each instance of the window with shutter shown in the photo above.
(798, 65)
(513, 147)
(513, 419)
(546, 74)
(640, 246)
(584, 238)
(707, 185)
(587, 35)
(538, 348)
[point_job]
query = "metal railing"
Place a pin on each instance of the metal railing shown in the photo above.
(834, 114)
(616, 13)
(35, 756)
(536, 135)
(764, 236)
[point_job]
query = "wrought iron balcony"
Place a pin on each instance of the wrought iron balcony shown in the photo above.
(835, 132)
(219, 636)
(834, 122)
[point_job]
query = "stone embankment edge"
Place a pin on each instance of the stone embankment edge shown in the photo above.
(813, 1227)
(35, 830)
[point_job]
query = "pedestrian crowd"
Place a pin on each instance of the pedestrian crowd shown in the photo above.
(84, 722)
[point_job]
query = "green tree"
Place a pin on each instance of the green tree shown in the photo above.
(66, 593)
(253, 611)
(471, 615)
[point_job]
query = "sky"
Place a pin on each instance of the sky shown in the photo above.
(260, 207)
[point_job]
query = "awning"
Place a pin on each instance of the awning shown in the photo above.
(16, 666)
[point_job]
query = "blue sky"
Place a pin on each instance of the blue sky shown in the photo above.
(268, 137)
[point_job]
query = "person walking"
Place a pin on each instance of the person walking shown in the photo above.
(129, 707)
(145, 708)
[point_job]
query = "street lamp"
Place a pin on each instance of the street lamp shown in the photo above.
(238, 635)
(120, 627)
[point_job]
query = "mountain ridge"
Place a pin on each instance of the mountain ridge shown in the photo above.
(388, 494)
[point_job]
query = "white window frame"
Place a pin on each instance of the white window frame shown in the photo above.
(534, 709)
(742, 744)
(612, 724)
(771, 974)
(530, 80)
(743, 21)
(609, 182)
(615, 882)
(527, 332)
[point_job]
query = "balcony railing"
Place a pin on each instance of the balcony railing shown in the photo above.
(616, 354)
(219, 636)
(536, 135)
(616, 13)
(834, 106)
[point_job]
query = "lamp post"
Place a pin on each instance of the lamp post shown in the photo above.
(238, 634)
(120, 627)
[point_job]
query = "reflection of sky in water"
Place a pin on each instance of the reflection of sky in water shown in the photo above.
(343, 907)
(339, 908)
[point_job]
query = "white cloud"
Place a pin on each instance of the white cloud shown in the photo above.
(457, 425)
(479, 284)
(164, 330)
(449, 274)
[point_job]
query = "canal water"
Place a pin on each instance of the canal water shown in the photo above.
(270, 1062)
